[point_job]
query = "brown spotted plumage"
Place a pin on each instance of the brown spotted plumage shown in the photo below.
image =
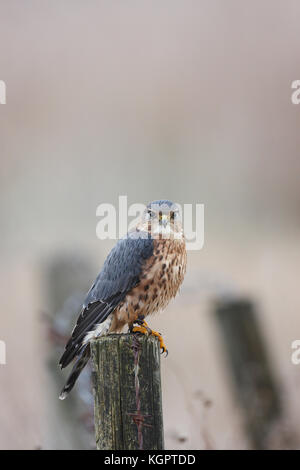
(162, 277)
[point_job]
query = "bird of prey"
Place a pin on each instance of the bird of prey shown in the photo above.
(141, 274)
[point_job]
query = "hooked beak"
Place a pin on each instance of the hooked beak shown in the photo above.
(164, 220)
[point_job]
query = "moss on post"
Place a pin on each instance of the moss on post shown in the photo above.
(127, 392)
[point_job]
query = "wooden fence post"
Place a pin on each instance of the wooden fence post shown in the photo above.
(255, 385)
(127, 392)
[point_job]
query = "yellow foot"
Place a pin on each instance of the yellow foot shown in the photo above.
(140, 329)
(145, 330)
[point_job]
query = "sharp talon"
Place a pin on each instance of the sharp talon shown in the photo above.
(161, 341)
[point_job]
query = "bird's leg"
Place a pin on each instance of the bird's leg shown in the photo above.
(144, 329)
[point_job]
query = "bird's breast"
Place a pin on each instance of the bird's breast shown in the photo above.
(160, 280)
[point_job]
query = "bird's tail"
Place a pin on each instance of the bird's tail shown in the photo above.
(75, 372)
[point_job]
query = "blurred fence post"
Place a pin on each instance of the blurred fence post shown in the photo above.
(67, 279)
(255, 386)
(127, 392)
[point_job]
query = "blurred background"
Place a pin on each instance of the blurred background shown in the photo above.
(189, 101)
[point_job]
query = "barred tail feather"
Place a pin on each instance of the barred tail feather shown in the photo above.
(77, 369)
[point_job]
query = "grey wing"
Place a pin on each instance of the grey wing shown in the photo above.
(120, 273)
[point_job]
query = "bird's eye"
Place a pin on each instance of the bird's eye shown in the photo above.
(174, 215)
(149, 214)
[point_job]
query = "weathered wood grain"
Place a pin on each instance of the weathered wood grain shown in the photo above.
(127, 392)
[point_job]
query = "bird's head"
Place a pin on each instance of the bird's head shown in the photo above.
(162, 219)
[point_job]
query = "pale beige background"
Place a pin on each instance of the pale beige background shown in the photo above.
(189, 101)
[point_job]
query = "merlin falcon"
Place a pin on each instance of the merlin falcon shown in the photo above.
(139, 277)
